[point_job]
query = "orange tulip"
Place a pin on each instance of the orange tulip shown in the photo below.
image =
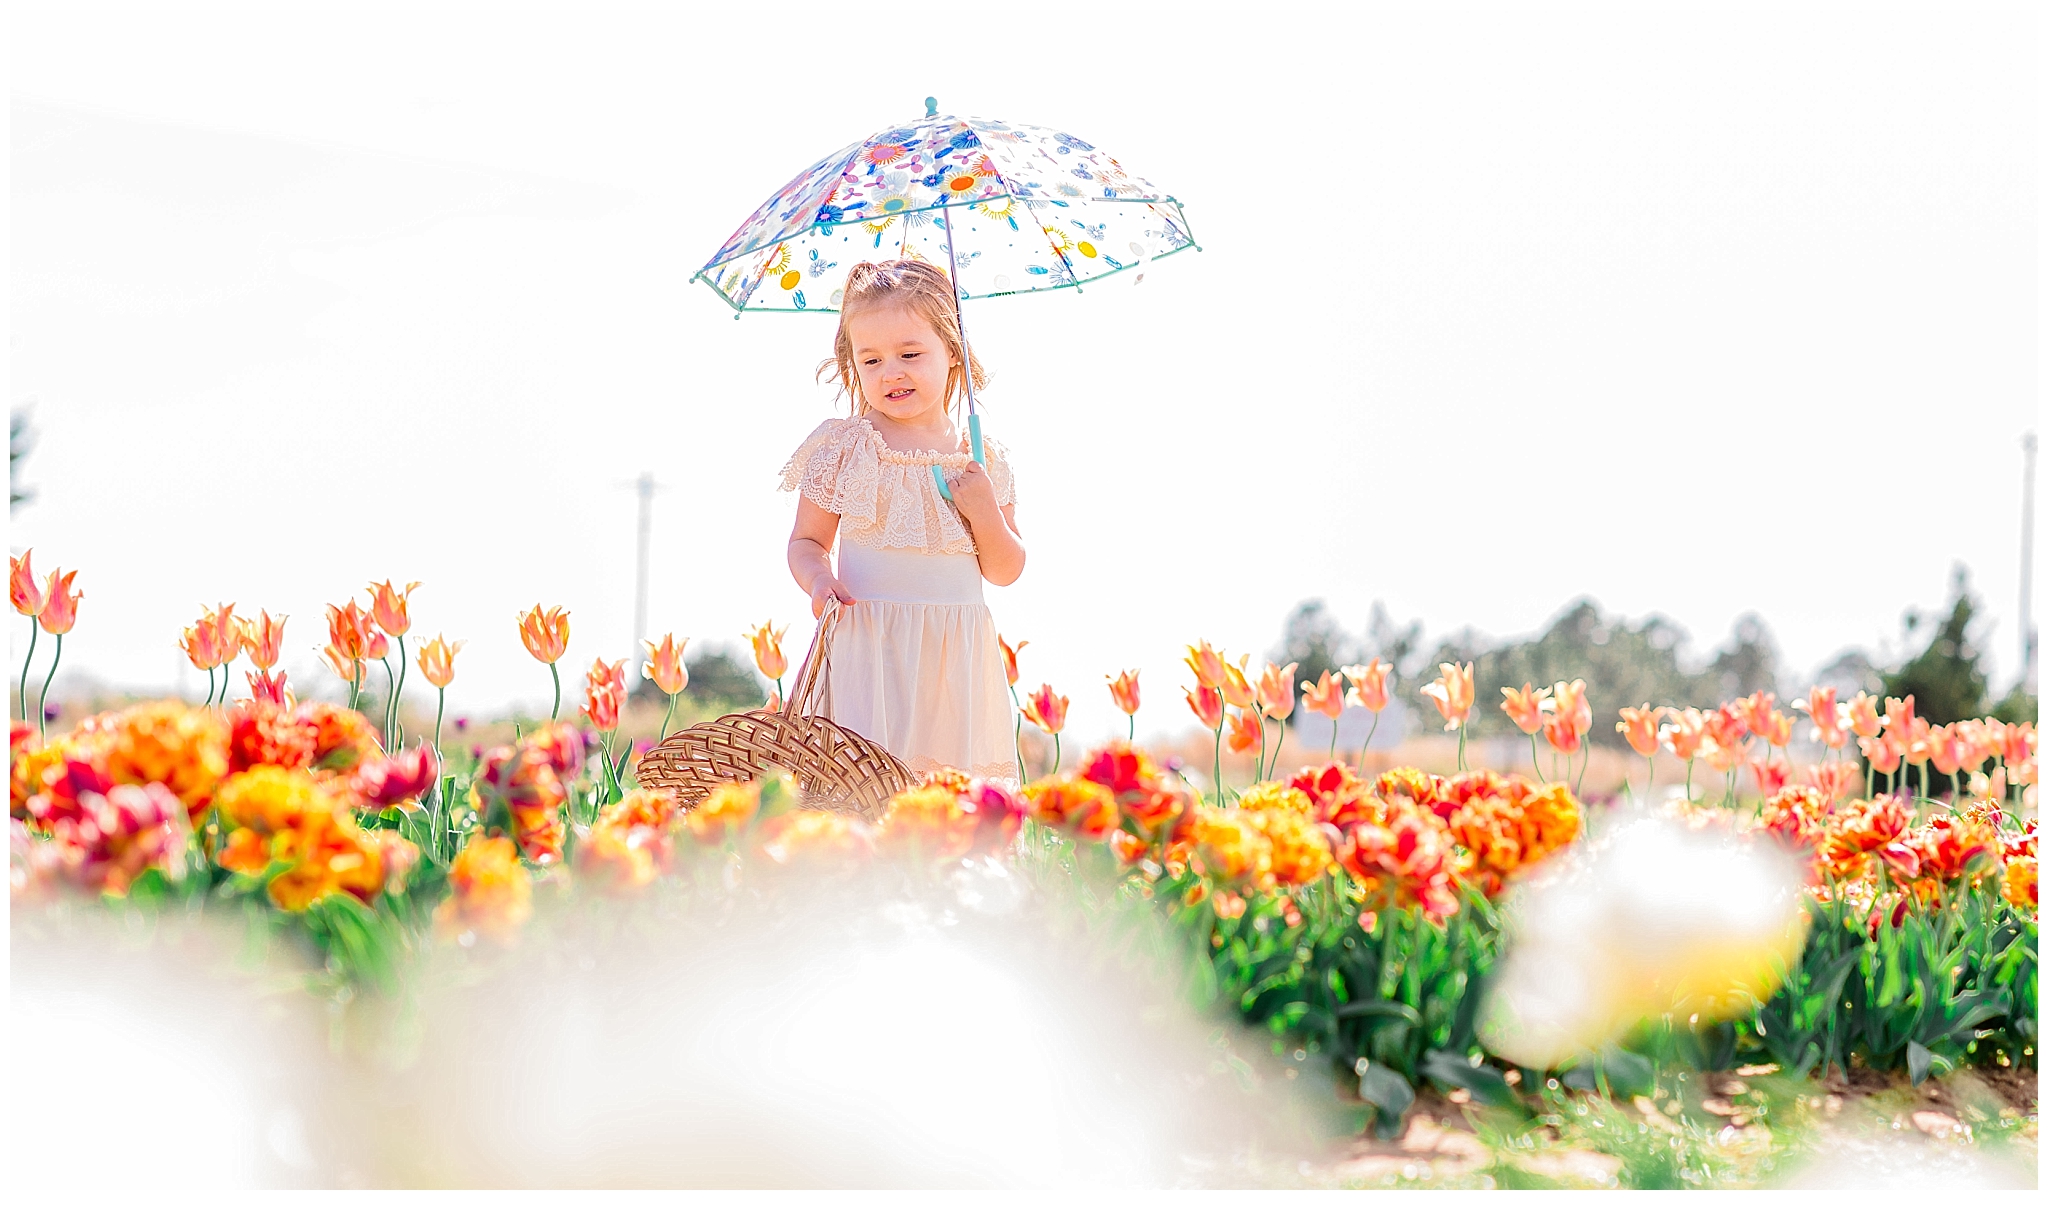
(1770, 773)
(1725, 747)
(1573, 717)
(1898, 716)
(1526, 706)
(1123, 690)
(604, 694)
(60, 603)
(22, 589)
(1827, 716)
(1686, 734)
(1639, 727)
(546, 634)
(1452, 692)
(262, 639)
(1325, 696)
(1236, 686)
(1368, 686)
(344, 666)
(377, 646)
(1276, 690)
(437, 661)
(1010, 657)
(202, 645)
(1207, 704)
(1207, 665)
(1834, 779)
(1046, 710)
(1755, 712)
(665, 665)
(388, 606)
(1862, 715)
(349, 630)
(768, 656)
(1882, 751)
(1776, 730)
(1244, 732)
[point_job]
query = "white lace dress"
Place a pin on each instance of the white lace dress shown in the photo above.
(914, 663)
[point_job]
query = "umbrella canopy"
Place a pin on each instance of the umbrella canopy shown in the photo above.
(1026, 209)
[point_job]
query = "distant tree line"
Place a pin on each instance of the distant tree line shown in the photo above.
(1629, 663)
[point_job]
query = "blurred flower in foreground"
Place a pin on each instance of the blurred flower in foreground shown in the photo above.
(490, 894)
(1653, 918)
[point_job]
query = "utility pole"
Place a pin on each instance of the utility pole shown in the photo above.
(645, 487)
(2030, 637)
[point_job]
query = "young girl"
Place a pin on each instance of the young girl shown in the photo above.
(915, 664)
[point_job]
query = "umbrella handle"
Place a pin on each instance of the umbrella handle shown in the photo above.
(974, 439)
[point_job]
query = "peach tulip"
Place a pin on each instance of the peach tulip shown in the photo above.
(1046, 710)
(665, 665)
(1207, 705)
(349, 630)
(1452, 692)
(22, 588)
(1236, 686)
(1834, 779)
(1883, 752)
(1686, 734)
(1776, 730)
(1862, 716)
(1123, 690)
(60, 604)
(545, 633)
(1568, 723)
(1827, 716)
(1325, 696)
(1244, 732)
(262, 639)
(1639, 727)
(1755, 711)
(1276, 691)
(767, 642)
(202, 644)
(377, 646)
(1010, 657)
(389, 606)
(1526, 706)
(1898, 717)
(1207, 665)
(1368, 685)
(437, 661)
(604, 694)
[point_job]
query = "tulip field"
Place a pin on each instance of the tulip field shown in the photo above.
(1356, 922)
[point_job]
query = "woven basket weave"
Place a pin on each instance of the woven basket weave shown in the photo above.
(835, 769)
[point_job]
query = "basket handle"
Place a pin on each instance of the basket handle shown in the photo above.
(814, 661)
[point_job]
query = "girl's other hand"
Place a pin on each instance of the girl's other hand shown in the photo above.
(826, 588)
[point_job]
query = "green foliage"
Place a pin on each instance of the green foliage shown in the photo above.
(1945, 681)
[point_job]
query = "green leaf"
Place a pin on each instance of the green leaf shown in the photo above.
(1486, 1084)
(1380, 1007)
(1919, 1060)
(1383, 1087)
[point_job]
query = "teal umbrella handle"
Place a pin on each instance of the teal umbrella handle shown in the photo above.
(974, 439)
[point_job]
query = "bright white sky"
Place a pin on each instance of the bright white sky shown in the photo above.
(1694, 312)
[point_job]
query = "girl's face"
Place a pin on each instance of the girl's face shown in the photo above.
(902, 364)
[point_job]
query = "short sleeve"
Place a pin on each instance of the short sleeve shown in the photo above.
(836, 468)
(1000, 476)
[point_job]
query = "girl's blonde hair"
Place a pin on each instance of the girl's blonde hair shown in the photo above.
(924, 291)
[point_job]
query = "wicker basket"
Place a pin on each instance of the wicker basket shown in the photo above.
(835, 769)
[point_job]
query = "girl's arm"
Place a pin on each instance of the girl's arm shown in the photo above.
(810, 557)
(993, 525)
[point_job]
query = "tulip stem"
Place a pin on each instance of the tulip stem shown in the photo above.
(1216, 765)
(1461, 746)
(1650, 777)
(1017, 731)
(390, 696)
(1535, 757)
(440, 706)
(556, 712)
(1132, 736)
(397, 727)
(42, 698)
(34, 628)
(1584, 762)
(1262, 747)
(1055, 753)
(209, 688)
(1370, 732)
(670, 715)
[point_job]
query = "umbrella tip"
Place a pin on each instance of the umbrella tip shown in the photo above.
(931, 107)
